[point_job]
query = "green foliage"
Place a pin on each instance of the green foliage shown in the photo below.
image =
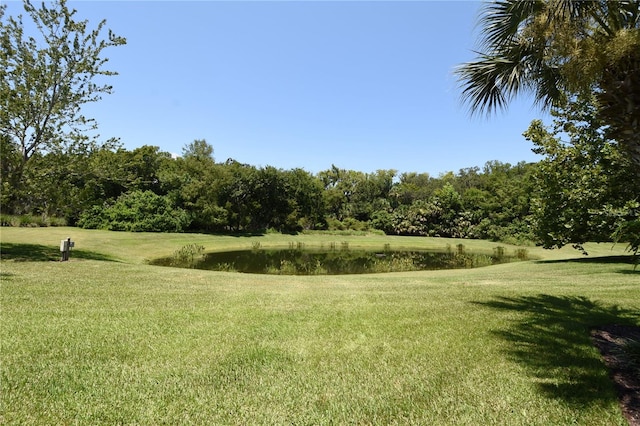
(27, 220)
(137, 211)
(383, 220)
(46, 78)
(188, 256)
(522, 254)
(629, 231)
(93, 218)
(348, 224)
(10, 162)
(581, 182)
(358, 195)
(234, 197)
(199, 150)
(557, 50)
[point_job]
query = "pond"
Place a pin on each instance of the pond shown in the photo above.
(299, 261)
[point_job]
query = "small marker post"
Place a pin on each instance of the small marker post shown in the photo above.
(65, 248)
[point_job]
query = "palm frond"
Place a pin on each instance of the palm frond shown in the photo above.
(623, 14)
(502, 20)
(480, 88)
(548, 90)
(571, 9)
(490, 82)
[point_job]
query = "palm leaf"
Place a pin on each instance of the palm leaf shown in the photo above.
(489, 83)
(501, 21)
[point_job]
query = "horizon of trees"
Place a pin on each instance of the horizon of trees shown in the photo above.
(145, 189)
(583, 190)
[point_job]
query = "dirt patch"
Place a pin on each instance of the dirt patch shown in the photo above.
(610, 340)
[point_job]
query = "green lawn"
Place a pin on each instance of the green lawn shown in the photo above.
(107, 339)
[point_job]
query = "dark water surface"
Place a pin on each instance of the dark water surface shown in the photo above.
(335, 262)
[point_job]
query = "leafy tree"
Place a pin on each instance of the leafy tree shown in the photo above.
(141, 168)
(370, 193)
(195, 182)
(420, 218)
(356, 195)
(305, 201)
(59, 183)
(270, 199)
(9, 163)
(584, 186)
(629, 230)
(236, 196)
(46, 79)
(199, 150)
(411, 187)
(505, 211)
(555, 48)
(449, 203)
(339, 185)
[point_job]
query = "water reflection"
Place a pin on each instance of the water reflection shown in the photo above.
(295, 261)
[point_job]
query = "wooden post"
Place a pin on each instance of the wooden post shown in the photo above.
(65, 248)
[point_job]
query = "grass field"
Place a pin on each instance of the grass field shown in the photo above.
(107, 339)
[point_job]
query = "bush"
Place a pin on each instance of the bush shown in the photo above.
(31, 221)
(137, 211)
(92, 218)
(6, 220)
(188, 256)
(348, 224)
(383, 221)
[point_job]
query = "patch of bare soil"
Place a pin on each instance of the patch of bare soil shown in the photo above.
(610, 341)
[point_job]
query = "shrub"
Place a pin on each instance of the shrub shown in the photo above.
(522, 254)
(27, 221)
(92, 218)
(6, 220)
(187, 256)
(31, 221)
(348, 224)
(137, 211)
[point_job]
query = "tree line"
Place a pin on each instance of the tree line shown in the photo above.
(146, 189)
(584, 189)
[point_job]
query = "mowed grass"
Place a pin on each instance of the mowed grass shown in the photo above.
(108, 339)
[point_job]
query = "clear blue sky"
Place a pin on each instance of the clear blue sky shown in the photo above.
(362, 85)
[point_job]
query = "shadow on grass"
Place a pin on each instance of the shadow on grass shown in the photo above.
(603, 260)
(596, 259)
(40, 253)
(552, 342)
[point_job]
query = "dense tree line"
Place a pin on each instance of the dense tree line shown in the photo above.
(146, 189)
(583, 190)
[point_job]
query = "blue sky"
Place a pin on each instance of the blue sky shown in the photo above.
(362, 85)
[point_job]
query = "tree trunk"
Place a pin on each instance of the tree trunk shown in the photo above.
(620, 104)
